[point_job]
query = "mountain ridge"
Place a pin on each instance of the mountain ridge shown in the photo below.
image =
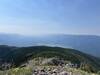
(20, 55)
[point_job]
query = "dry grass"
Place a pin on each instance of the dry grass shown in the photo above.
(29, 71)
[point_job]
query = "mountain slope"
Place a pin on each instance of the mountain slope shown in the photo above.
(20, 55)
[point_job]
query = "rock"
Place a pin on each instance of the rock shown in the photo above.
(64, 73)
(53, 61)
(54, 74)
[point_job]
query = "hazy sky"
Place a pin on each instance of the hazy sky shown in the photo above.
(35, 17)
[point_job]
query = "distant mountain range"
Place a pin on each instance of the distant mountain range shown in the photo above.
(86, 43)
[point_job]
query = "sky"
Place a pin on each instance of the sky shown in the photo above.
(38, 17)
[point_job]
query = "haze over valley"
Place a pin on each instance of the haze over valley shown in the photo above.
(85, 43)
